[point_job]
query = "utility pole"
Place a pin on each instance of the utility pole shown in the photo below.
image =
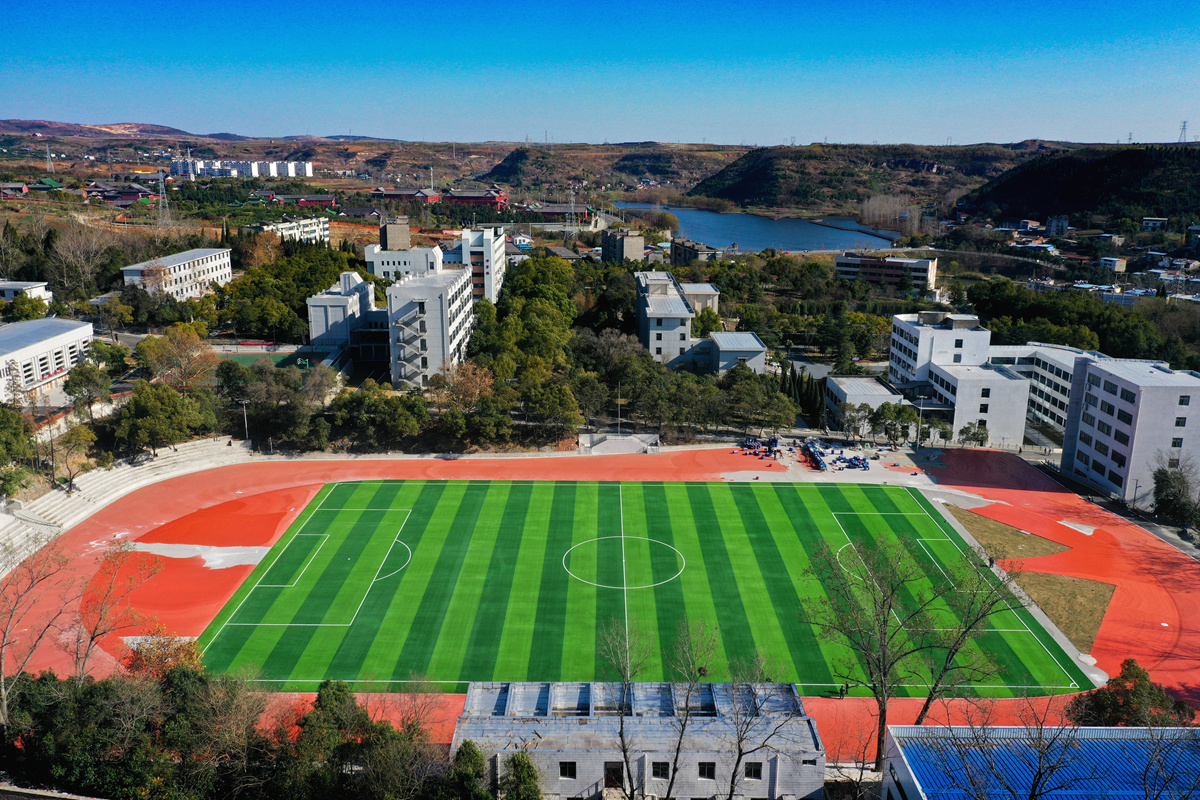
(245, 419)
(49, 160)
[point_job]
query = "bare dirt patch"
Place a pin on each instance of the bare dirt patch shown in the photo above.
(1076, 605)
(1004, 541)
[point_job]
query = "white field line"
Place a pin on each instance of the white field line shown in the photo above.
(624, 577)
(312, 557)
(1024, 627)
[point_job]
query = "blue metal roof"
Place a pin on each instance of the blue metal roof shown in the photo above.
(20, 335)
(1089, 763)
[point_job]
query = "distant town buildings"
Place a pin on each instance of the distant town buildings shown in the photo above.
(1113, 264)
(685, 251)
(1057, 226)
(195, 168)
(1153, 224)
(182, 275)
(38, 354)
(314, 230)
(11, 290)
(570, 732)
(920, 272)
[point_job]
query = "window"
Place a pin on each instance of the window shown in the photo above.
(1108, 408)
(1110, 387)
(1125, 416)
(1173, 463)
(985, 392)
(1090, 399)
(958, 358)
(1181, 422)
(983, 407)
(958, 344)
(1094, 380)
(1128, 396)
(566, 769)
(658, 337)
(1177, 442)
(1185, 399)
(1102, 448)
(681, 351)
(1081, 457)
(1104, 428)
(1085, 438)
(658, 322)
(1116, 479)
(708, 770)
(1088, 419)
(1121, 437)
(1118, 458)
(661, 769)
(683, 337)
(658, 351)
(754, 770)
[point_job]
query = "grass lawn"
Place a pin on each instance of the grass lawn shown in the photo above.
(384, 582)
(278, 359)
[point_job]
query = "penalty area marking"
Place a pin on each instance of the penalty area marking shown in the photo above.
(682, 564)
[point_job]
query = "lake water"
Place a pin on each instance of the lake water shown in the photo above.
(752, 232)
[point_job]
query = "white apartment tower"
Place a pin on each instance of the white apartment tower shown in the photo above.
(430, 318)
(934, 337)
(1128, 418)
(483, 252)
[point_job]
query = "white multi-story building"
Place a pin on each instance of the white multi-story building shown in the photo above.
(182, 275)
(1127, 419)
(396, 264)
(40, 353)
(483, 250)
(430, 318)
(934, 337)
(334, 314)
(11, 290)
(994, 397)
(921, 272)
(197, 167)
(314, 230)
(664, 317)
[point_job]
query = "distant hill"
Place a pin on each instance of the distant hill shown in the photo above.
(829, 177)
(1113, 180)
(629, 163)
(119, 129)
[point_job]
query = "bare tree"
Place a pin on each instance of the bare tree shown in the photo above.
(227, 739)
(761, 715)
(972, 594)
(34, 596)
(876, 606)
(625, 651)
(1170, 769)
(106, 609)
(180, 358)
(79, 251)
(695, 645)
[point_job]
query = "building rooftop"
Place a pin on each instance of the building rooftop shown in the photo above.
(432, 280)
(21, 284)
(961, 372)
(737, 341)
(179, 258)
(1148, 373)
(667, 305)
(1102, 762)
(861, 385)
(585, 716)
(20, 335)
(699, 288)
(561, 252)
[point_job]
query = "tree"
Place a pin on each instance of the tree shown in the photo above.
(973, 433)
(467, 779)
(625, 651)
(157, 416)
(106, 609)
(180, 359)
(705, 323)
(894, 421)
(35, 595)
(461, 386)
(1129, 698)
(878, 607)
(85, 384)
(695, 644)
(520, 781)
(70, 453)
(158, 652)
(78, 252)
(854, 418)
(972, 594)
(1174, 499)
(23, 307)
(761, 715)
(114, 312)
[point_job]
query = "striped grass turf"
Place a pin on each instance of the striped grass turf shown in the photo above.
(386, 582)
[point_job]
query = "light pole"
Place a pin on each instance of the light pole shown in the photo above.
(245, 419)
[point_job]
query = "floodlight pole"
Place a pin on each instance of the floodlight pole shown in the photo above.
(245, 419)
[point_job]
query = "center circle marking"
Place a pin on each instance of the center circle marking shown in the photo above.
(682, 563)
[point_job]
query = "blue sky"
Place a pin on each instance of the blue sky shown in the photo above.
(750, 72)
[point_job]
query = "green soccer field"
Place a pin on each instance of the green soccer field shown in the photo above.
(381, 582)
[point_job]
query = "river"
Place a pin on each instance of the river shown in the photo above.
(752, 232)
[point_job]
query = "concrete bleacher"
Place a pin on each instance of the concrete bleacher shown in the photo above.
(26, 527)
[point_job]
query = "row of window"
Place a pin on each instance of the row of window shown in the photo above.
(706, 770)
(1057, 372)
(682, 337)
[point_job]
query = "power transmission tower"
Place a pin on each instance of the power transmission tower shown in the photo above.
(1183, 132)
(164, 213)
(571, 222)
(49, 160)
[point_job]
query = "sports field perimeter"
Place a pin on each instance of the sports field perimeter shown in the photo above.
(451, 581)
